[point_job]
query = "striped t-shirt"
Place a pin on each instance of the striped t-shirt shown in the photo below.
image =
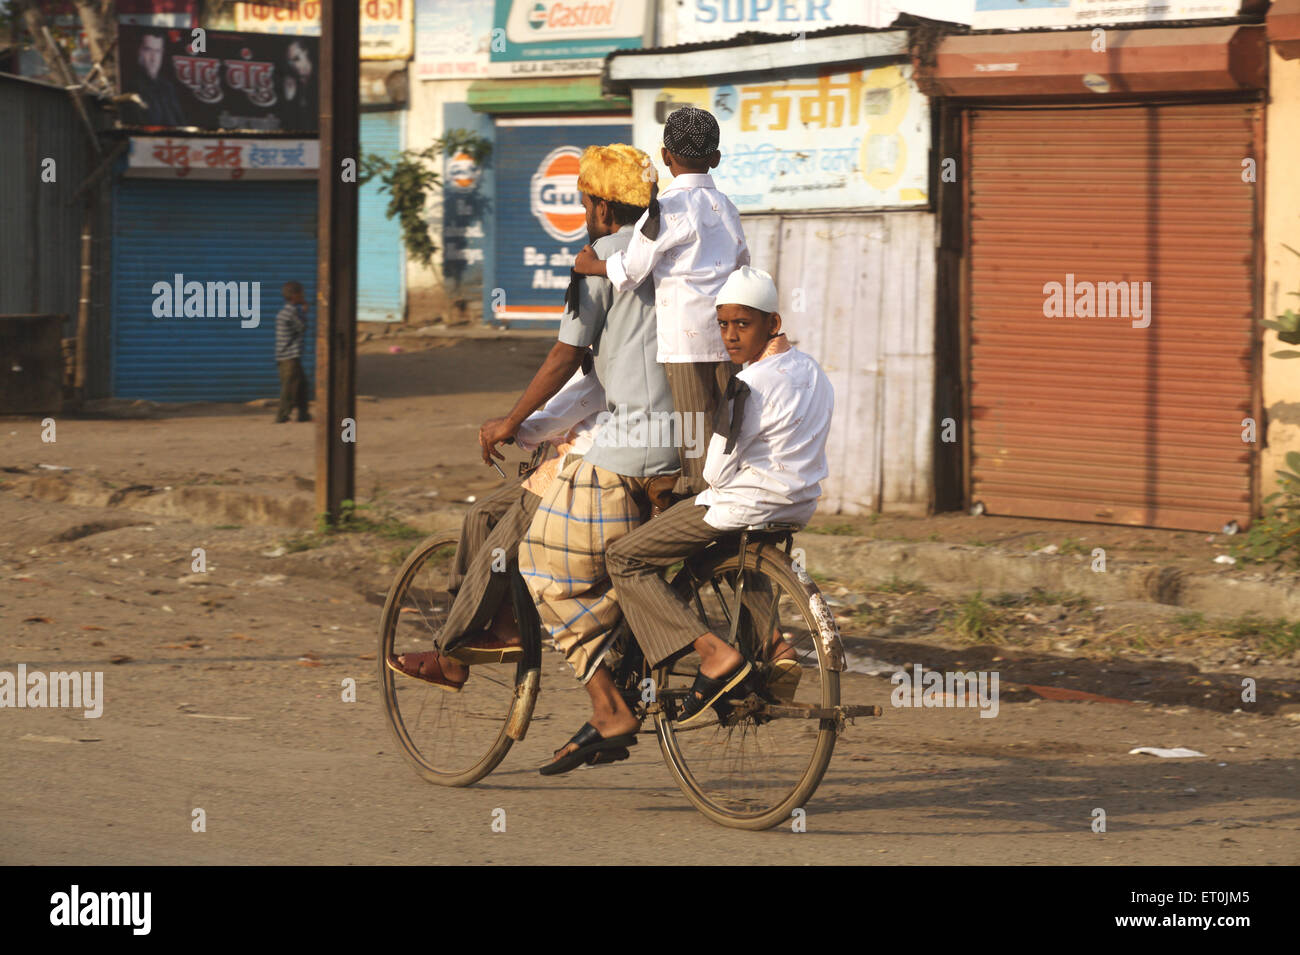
(290, 325)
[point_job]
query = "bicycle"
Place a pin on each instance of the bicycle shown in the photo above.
(749, 768)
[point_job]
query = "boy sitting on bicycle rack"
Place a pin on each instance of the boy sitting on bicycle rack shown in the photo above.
(765, 464)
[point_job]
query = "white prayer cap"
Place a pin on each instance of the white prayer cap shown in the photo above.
(749, 286)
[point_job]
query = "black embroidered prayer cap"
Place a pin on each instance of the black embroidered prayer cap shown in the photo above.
(691, 132)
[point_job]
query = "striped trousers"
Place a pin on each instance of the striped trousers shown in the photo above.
(499, 520)
(697, 388)
(662, 623)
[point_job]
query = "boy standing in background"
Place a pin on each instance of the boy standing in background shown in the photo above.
(290, 330)
(690, 240)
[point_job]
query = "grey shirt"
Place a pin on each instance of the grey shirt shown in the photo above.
(638, 433)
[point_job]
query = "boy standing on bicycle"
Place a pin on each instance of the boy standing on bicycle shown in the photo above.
(765, 463)
(689, 240)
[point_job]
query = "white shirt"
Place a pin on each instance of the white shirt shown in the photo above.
(700, 243)
(574, 408)
(775, 470)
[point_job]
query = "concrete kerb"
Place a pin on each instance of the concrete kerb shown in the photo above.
(952, 569)
(961, 569)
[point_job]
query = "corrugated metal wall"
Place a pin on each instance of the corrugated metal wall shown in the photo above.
(857, 294)
(207, 231)
(1130, 418)
(40, 228)
(381, 258)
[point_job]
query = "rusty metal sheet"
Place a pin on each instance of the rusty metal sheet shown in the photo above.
(1134, 413)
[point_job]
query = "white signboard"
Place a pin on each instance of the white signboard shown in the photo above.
(180, 157)
(834, 140)
(695, 21)
(1025, 14)
(452, 38)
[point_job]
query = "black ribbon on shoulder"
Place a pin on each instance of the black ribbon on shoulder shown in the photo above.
(571, 293)
(736, 393)
(650, 228)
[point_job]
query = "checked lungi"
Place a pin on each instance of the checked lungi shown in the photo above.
(562, 558)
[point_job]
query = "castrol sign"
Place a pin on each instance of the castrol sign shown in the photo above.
(565, 36)
(554, 197)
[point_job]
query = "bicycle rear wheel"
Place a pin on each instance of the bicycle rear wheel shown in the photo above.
(453, 739)
(753, 770)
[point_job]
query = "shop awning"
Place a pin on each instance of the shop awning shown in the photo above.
(1057, 63)
(560, 94)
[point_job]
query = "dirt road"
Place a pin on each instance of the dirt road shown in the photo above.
(223, 692)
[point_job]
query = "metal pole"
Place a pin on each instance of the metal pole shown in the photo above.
(336, 254)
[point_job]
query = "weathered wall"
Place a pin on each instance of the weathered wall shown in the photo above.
(1281, 267)
(857, 294)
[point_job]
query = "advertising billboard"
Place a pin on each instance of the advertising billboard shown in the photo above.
(549, 37)
(386, 29)
(540, 224)
(452, 38)
(248, 81)
(825, 140)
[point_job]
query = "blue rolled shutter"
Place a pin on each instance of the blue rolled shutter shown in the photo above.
(263, 232)
(381, 260)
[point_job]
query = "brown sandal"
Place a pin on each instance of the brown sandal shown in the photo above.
(425, 666)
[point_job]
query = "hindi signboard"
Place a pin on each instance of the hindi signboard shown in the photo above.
(386, 30)
(164, 157)
(248, 81)
(564, 37)
(827, 140)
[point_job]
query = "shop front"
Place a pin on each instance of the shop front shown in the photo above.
(1111, 214)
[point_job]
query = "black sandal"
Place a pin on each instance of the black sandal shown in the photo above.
(707, 692)
(592, 748)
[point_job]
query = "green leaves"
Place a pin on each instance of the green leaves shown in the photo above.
(412, 177)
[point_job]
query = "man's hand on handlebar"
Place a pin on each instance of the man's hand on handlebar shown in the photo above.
(495, 431)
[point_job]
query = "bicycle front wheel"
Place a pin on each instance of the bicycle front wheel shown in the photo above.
(453, 739)
(753, 771)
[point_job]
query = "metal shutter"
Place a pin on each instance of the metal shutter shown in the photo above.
(208, 231)
(1091, 418)
(381, 259)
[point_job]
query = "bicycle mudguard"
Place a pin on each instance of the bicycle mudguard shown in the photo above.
(827, 630)
(521, 712)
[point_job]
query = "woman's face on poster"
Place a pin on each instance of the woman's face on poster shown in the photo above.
(299, 60)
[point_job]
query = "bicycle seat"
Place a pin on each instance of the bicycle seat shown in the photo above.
(774, 527)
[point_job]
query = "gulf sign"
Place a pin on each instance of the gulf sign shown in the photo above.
(554, 197)
(535, 21)
(462, 171)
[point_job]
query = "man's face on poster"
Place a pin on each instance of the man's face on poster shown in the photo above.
(299, 60)
(151, 55)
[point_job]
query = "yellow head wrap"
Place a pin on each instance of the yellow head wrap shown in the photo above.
(617, 172)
